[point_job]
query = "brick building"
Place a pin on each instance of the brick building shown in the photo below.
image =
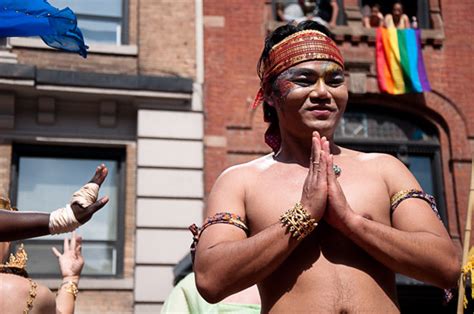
(163, 98)
(439, 155)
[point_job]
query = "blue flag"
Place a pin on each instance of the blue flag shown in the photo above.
(57, 28)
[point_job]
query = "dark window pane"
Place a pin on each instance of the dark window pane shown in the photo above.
(100, 258)
(46, 183)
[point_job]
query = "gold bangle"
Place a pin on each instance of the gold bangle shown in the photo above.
(71, 287)
(298, 221)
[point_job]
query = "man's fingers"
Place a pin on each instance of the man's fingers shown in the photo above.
(56, 252)
(316, 153)
(322, 175)
(99, 204)
(331, 175)
(73, 241)
(66, 245)
(100, 174)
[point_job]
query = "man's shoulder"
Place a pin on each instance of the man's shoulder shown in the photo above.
(18, 288)
(253, 166)
(386, 163)
(368, 157)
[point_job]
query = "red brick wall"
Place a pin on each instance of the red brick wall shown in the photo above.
(232, 49)
(231, 54)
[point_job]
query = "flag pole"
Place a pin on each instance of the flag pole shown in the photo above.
(467, 237)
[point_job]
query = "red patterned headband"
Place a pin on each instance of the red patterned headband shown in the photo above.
(302, 46)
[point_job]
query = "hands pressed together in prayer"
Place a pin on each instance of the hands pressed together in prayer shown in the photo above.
(322, 194)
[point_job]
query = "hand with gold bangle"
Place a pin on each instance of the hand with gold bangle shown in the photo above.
(71, 263)
(303, 217)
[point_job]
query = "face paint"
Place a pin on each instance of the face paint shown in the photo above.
(283, 84)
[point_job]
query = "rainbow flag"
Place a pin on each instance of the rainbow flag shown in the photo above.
(400, 66)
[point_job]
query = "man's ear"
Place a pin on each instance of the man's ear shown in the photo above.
(268, 97)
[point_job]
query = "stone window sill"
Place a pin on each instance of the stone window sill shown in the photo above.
(93, 284)
(36, 43)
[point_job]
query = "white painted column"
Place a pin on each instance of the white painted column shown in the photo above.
(169, 198)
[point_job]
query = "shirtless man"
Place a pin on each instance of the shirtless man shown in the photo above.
(347, 264)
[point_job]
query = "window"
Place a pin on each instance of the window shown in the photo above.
(416, 144)
(419, 8)
(44, 178)
(299, 10)
(101, 21)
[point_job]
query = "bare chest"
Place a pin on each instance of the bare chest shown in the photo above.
(275, 191)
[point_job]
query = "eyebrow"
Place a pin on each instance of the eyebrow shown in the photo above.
(309, 72)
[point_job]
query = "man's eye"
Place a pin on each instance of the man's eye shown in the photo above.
(302, 81)
(335, 80)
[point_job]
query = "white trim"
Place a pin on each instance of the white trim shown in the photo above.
(68, 140)
(17, 82)
(92, 284)
(197, 102)
(107, 91)
(36, 43)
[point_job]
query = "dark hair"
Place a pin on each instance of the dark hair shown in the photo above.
(281, 33)
(271, 40)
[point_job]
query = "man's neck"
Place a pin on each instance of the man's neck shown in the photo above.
(298, 150)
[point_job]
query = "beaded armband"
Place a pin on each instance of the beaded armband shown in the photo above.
(399, 197)
(298, 221)
(219, 218)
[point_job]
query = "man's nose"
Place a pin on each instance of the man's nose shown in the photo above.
(319, 90)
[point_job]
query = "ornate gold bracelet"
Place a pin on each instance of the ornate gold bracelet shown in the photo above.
(71, 287)
(298, 221)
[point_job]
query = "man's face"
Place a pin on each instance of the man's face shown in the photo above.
(397, 9)
(310, 96)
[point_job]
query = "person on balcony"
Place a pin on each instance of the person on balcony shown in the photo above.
(325, 12)
(374, 19)
(290, 10)
(397, 19)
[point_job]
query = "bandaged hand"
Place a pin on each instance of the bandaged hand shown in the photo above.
(83, 205)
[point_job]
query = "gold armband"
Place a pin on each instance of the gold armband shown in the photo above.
(298, 221)
(71, 287)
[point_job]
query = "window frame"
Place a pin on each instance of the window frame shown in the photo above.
(124, 24)
(78, 152)
(394, 147)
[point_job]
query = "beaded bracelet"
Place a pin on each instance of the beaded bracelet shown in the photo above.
(298, 221)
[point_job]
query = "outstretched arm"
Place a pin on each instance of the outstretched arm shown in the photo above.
(226, 260)
(70, 263)
(417, 244)
(22, 225)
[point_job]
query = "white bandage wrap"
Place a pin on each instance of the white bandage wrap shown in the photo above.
(86, 195)
(63, 220)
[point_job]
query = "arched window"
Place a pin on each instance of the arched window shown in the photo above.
(413, 141)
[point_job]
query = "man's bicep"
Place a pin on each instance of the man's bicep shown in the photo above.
(411, 209)
(225, 218)
(416, 215)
